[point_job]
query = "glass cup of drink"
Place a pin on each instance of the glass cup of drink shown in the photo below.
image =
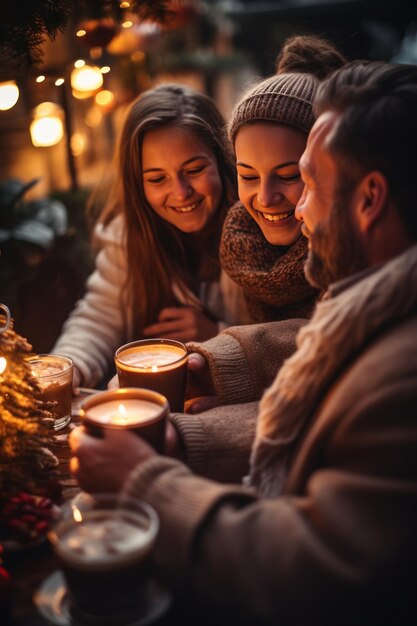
(157, 364)
(104, 544)
(53, 374)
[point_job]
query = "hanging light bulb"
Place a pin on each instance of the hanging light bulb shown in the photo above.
(9, 95)
(46, 129)
(86, 78)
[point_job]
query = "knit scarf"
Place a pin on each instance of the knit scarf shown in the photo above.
(272, 277)
(353, 312)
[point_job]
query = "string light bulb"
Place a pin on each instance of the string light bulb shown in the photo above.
(46, 129)
(86, 78)
(9, 95)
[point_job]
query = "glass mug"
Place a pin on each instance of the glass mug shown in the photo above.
(104, 544)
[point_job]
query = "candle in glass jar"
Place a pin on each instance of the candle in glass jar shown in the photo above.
(126, 413)
(158, 364)
(142, 411)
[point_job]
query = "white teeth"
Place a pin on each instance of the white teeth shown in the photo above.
(185, 209)
(276, 218)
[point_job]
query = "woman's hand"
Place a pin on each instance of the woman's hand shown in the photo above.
(183, 324)
(103, 464)
(200, 394)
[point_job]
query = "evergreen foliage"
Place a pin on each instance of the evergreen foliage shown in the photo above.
(26, 424)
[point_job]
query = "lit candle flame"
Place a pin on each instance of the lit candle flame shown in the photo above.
(3, 364)
(122, 413)
(76, 513)
(154, 368)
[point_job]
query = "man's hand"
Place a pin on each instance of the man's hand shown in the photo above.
(103, 464)
(173, 444)
(183, 324)
(200, 394)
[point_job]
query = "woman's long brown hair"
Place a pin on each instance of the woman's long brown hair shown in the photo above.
(158, 254)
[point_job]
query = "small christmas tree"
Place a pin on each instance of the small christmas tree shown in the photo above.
(28, 468)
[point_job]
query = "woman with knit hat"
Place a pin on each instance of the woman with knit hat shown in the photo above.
(262, 248)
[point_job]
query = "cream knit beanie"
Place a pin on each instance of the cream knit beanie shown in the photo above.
(285, 98)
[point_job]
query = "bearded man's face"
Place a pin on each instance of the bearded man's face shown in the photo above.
(335, 247)
(326, 209)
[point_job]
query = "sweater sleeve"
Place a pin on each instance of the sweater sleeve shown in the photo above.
(346, 539)
(218, 442)
(244, 360)
(97, 326)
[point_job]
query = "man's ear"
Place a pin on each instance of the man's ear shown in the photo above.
(371, 198)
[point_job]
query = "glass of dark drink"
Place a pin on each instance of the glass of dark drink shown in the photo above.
(104, 544)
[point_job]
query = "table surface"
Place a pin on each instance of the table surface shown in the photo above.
(30, 567)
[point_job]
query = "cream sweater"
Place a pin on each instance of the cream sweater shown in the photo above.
(101, 322)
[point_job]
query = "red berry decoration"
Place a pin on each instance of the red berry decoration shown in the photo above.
(27, 517)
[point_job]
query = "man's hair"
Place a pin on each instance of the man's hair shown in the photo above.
(377, 128)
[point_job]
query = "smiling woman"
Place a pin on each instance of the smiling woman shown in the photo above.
(158, 271)
(262, 246)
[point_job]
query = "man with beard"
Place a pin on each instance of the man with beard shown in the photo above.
(324, 530)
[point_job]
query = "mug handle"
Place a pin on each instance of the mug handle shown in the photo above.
(5, 309)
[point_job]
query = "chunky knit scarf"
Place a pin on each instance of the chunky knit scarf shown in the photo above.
(339, 328)
(272, 277)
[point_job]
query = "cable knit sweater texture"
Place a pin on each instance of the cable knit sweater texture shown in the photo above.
(272, 277)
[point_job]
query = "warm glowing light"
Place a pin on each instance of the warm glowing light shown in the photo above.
(86, 78)
(154, 368)
(79, 63)
(127, 24)
(46, 109)
(124, 5)
(104, 98)
(81, 32)
(46, 131)
(122, 416)
(9, 95)
(59, 81)
(76, 513)
(40, 78)
(78, 144)
(3, 364)
(105, 69)
(82, 95)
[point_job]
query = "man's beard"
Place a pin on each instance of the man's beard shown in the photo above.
(335, 250)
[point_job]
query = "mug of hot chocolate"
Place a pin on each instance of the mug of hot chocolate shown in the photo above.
(157, 364)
